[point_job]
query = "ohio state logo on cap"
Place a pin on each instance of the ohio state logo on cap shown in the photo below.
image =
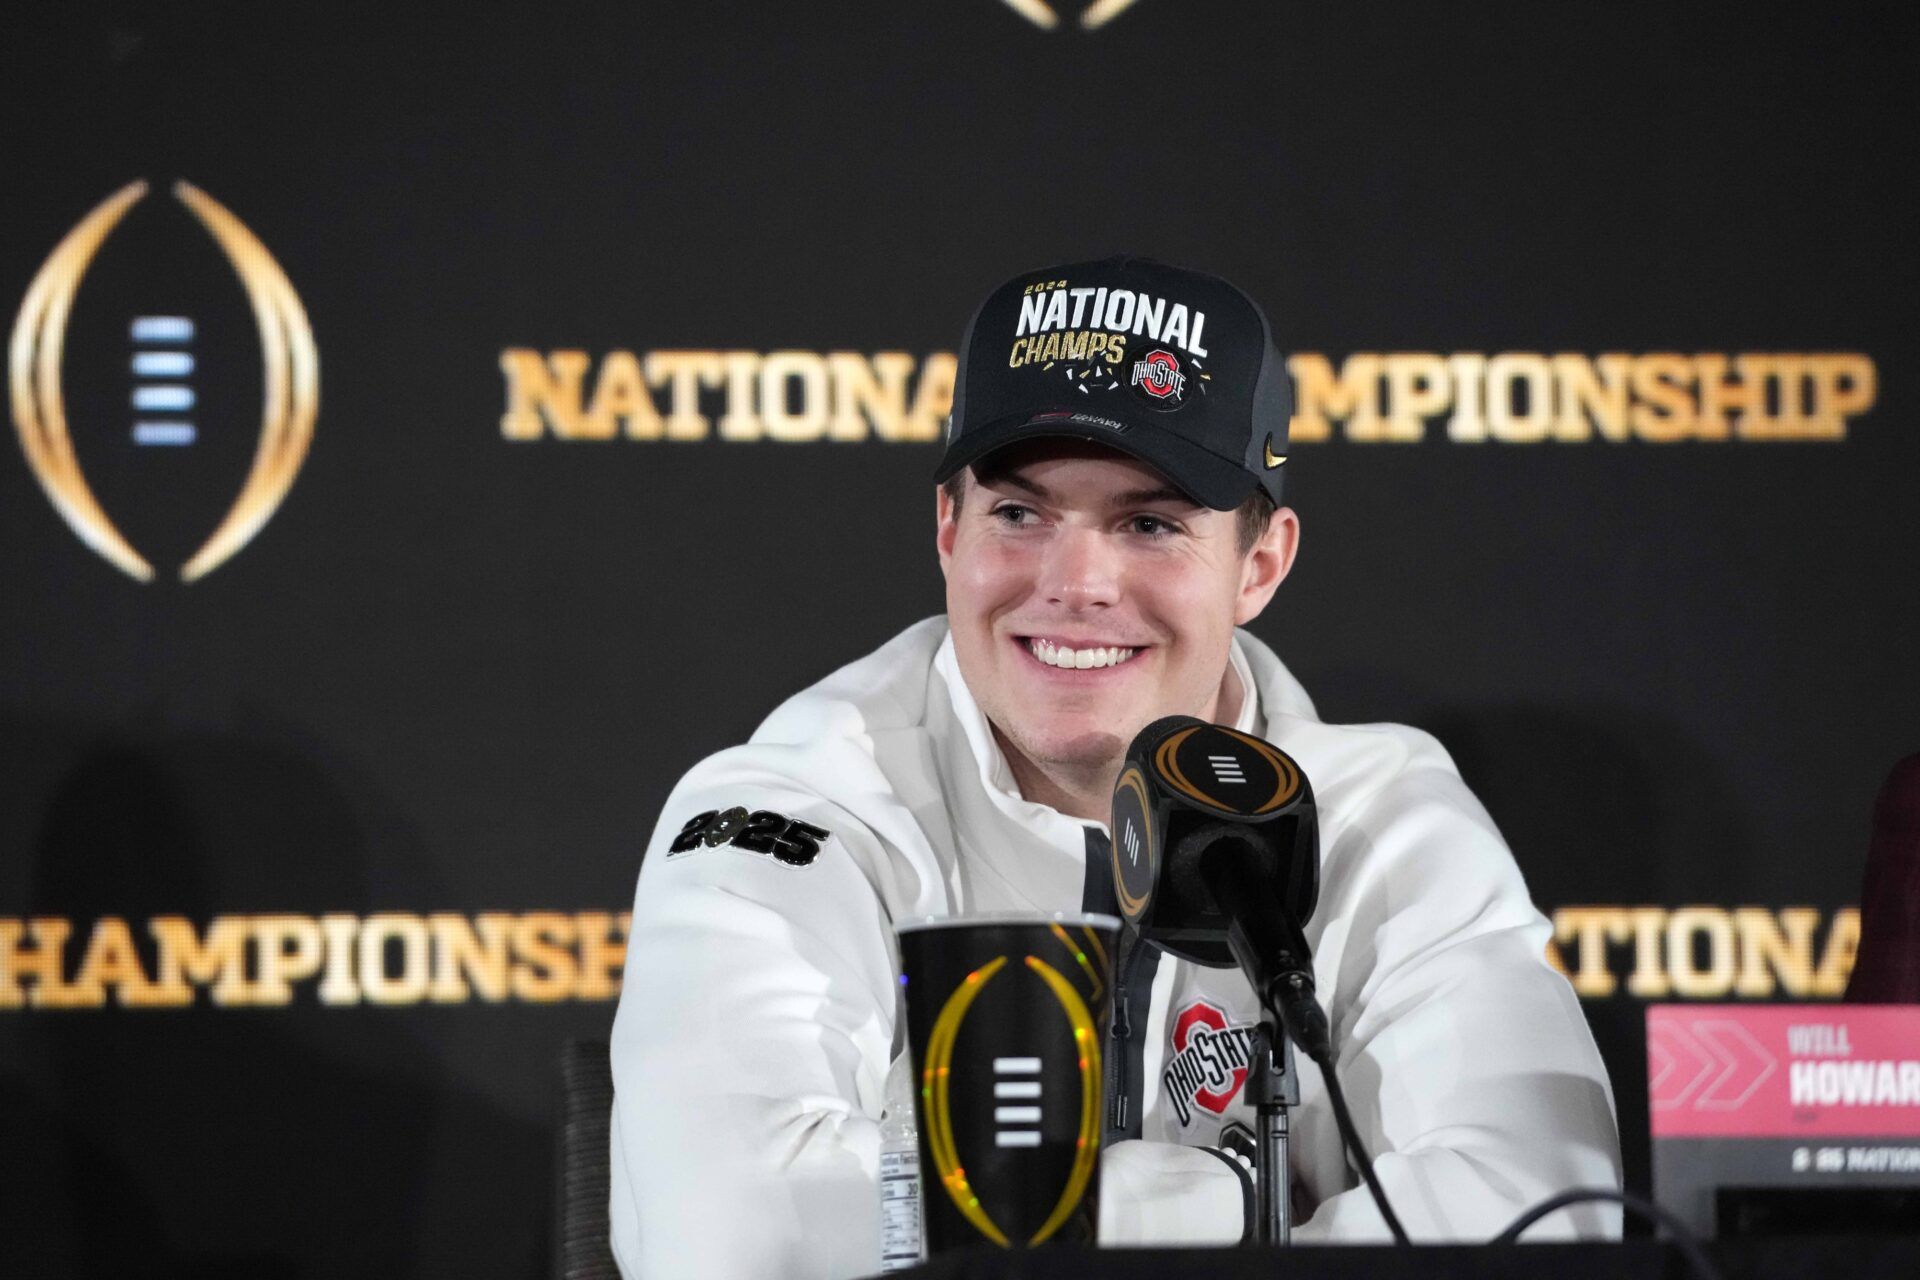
(1158, 375)
(1209, 1062)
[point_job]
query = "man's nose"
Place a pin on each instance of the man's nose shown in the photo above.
(1081, 570)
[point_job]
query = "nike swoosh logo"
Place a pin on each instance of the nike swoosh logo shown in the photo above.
(1273, 459)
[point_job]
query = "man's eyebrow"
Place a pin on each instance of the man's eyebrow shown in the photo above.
(1013, 481)
(1136, 497)
(1131, 498)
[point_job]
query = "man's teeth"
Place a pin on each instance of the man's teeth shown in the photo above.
(1081, 659)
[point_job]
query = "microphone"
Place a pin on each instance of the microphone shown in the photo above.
(1216, 859)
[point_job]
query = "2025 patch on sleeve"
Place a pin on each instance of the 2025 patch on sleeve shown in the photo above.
(786, 840)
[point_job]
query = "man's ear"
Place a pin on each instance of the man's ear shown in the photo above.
(946, 524)
(1266, 566)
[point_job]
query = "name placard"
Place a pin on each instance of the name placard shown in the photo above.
(1750, 1101)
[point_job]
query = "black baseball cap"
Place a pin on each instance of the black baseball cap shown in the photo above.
(1175, 367)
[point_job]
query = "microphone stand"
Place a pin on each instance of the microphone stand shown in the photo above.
(1272, 1086)
(1270, 949)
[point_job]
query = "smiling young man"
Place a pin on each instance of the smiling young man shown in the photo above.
(1108, 516)
(1087, 597)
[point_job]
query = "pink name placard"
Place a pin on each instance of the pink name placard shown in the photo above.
(1784, 1071)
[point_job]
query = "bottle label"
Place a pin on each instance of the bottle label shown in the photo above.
(899, 1210)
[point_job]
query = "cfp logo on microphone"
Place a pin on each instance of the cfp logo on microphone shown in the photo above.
(1096, 15)
(141, 382)
(1133, 876)
(1228, 771)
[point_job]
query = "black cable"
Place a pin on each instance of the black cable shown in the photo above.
(1683, 1236)
(1291, 1001)
(1351, 1136)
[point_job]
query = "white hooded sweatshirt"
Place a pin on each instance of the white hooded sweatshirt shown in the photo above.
(759, 1018)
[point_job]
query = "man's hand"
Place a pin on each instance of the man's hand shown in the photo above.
(1162, 1193)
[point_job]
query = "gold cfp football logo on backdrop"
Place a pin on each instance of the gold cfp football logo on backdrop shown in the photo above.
(291, 380)
(1097, 14)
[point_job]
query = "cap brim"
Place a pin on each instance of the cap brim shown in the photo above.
(1203, 475)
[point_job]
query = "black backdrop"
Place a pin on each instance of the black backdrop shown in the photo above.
(456, 671)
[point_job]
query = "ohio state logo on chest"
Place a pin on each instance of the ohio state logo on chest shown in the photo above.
(1209, 1062)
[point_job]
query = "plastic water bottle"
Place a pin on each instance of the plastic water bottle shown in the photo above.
(899, 1173)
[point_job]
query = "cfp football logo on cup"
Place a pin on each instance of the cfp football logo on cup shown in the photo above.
(1042, 15)
(148, 366)
(1022, 1054)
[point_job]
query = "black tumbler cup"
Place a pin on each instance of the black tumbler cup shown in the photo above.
(1007, 1027)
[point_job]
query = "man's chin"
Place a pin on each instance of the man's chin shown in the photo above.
(1089, 751)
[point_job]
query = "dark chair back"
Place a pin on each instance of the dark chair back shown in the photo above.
(1886, 970)
(581, 1183)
